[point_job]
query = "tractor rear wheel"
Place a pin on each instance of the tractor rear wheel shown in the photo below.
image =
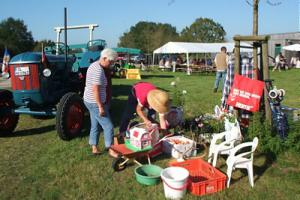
(70, 116)
(8, 120)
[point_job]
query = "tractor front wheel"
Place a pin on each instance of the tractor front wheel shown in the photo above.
(8, 119)
(70, 116)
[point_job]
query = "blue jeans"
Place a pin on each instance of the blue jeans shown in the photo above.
(220, 75)
(97, 121)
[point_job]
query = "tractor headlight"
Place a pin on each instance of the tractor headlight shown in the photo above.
(6, 75)
(47, 72)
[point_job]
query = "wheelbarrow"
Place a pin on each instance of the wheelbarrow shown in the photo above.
(126, 154)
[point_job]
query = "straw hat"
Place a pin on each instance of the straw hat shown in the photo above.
(158, 100)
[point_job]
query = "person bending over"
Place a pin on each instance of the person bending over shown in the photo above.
(145, 96)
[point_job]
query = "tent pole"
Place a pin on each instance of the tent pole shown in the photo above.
(153, 59)
(188, 70)
(173, 62)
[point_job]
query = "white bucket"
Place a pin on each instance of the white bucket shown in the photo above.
(175, 181)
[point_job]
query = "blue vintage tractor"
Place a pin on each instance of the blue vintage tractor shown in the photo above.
(54, 89)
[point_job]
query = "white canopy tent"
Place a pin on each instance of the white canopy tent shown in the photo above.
(293, 47)
(294, 60)
(190, 47)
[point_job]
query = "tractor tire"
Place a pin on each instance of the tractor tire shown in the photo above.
(70, 116)
(8, 120)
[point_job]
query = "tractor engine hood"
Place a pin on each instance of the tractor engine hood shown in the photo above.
(36, 57)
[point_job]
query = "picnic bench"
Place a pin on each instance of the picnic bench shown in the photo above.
(197, 68)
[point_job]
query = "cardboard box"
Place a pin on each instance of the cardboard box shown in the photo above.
(179, 147)
(142, 138)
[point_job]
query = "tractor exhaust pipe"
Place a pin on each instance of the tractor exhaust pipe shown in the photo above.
(66, 41)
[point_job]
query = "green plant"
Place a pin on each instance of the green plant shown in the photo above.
(231, 118)
(178, 95)
(293, 140)
(268, 138)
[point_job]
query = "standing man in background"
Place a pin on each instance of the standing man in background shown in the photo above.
(221, 62)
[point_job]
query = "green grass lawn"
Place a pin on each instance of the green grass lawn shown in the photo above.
(36, 164)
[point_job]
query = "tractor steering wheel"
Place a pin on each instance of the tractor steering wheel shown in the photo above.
(96, 45)
(62, 47)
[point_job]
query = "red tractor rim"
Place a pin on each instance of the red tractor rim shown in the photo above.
(75, 118)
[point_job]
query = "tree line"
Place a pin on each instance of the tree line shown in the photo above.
(146, 36)
(15, 36)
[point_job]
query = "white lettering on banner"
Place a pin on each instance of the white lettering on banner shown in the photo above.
(255, 96)
(235, 91)
(243, 106)
(244, 94)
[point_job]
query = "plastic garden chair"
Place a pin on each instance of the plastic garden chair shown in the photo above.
(242, 160)
(223, 143)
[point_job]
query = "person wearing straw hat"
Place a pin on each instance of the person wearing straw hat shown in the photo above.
(144, 95)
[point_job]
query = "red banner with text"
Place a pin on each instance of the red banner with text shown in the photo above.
(245, 93)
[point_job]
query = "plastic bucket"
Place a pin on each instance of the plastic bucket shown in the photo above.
(175, 181)
(148, 174)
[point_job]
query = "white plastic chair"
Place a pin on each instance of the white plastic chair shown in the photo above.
(242, 160)
(229, 138)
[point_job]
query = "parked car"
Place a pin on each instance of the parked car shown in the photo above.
(138, 58)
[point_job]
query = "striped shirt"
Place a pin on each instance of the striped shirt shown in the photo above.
(247, 71)
(228, 82)
(95, 76)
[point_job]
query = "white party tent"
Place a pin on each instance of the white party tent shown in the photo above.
(293, 47)
(191, 47)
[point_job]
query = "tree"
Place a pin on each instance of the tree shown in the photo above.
(255, 17)
(255, 26)
(148, 36)
(15, 36)
(203, 30)
(255, 12)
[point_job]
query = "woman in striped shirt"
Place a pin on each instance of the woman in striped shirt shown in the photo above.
(95, 100)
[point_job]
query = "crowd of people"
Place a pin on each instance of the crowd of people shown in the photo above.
(295, 62)
(281, 63)
(170, 62)
(176, 62)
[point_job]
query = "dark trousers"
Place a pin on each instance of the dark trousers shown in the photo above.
(129, 112)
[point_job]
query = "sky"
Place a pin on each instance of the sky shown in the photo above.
(115, 17)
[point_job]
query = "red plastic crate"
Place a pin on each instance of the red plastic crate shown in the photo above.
(204, 178)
